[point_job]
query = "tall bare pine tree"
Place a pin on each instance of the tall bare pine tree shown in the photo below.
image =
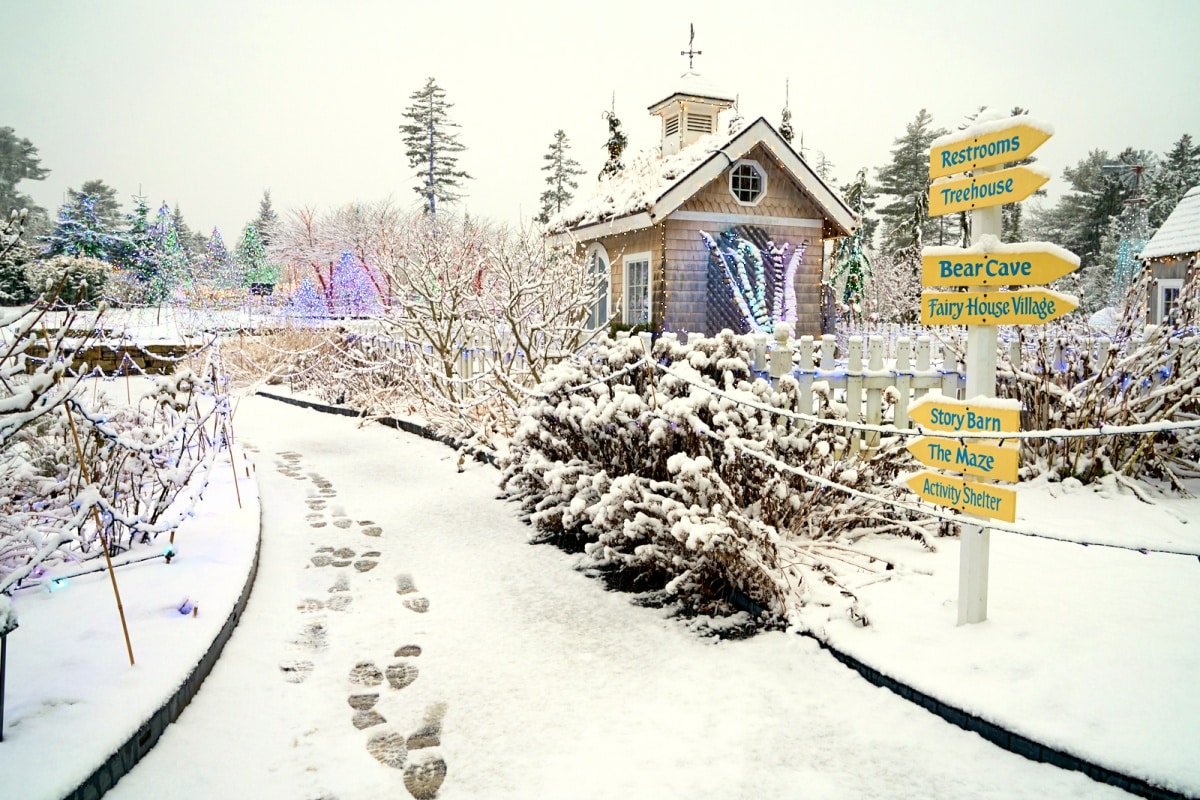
(431, 146)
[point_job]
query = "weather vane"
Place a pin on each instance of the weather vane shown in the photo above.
(691, 52)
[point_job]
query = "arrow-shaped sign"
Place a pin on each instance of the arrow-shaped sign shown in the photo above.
(980, 499)
(968, 457)
(990, 189)
(1025, 307)
(971, 150)
(980, 415)
(991, 263)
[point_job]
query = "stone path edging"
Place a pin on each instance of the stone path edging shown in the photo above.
(144, 738)
(996, 734)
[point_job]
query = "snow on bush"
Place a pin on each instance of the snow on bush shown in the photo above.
(682, 490)
(142, 465)
(1151, 374)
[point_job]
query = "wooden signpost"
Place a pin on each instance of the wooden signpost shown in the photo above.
(982, 269)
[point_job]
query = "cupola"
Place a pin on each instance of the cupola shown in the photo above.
(691, 110)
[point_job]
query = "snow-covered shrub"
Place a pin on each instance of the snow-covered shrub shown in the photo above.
(1145, 375)
(645, 468)
(74, 472)
(72, 279)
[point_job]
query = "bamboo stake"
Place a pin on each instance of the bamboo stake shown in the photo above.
(95, 514)
(232, 465)
(125, 369)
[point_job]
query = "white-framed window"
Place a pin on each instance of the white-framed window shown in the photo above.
(636, 295)
(599, 273)
(748, 182)
(1168, 297)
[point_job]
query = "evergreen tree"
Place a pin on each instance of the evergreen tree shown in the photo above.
(19, 161)
(104, 199)
(562, 169)
(904, 180)
(785, 126)
(851, 266)
(267, 220)
(138, 253)
(252, 260)
(14, 288)
(353, 292)
(1081, 217)
(219, 270)
(79, 231)
(1178, 171)
(431, 146)
(175, 268)
(615, 145)
(192, 242)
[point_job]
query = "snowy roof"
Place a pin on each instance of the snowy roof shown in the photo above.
(693, 85)
(1180, 232)
(649, 187)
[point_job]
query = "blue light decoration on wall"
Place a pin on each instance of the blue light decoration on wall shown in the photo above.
(760, 277)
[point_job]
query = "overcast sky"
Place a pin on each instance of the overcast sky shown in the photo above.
(207, 103)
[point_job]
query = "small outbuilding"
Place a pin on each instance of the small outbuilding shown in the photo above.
(710, 230)
(1171, 254)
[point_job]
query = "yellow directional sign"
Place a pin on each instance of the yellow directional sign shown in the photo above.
(1024, 307)
(1039, 264)
(981, 191)
(981, 415)
(985, 460)
(980, 499)
(992, 149)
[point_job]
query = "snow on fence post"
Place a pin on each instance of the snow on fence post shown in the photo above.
(828, 348)
(854, 388)
(805, 377)
(923, 363)
(647, 340)
(903, 381)
(781, 356)
(875, 382)
(760, 352)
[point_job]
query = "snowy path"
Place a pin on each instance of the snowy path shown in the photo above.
(519, 675)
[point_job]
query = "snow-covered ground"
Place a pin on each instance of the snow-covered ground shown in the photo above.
(526, 679)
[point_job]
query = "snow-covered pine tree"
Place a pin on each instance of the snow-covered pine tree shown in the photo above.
(218, 269)
(1178, 171)
(785, 126)
(266, 221)
(562, 169)
(615, 145)
(251, 257)
(431, 146)
(104, 199)
(138, 254)
(80, 231)
(19, 161)
(903, 180)
(851, 266)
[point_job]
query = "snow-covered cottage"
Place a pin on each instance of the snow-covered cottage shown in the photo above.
(710, 230)
(1171, 255)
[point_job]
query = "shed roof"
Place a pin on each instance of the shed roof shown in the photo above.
(1180, 231)
(649, 188)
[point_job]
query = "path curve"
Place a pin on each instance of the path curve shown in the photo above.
(504, 672)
